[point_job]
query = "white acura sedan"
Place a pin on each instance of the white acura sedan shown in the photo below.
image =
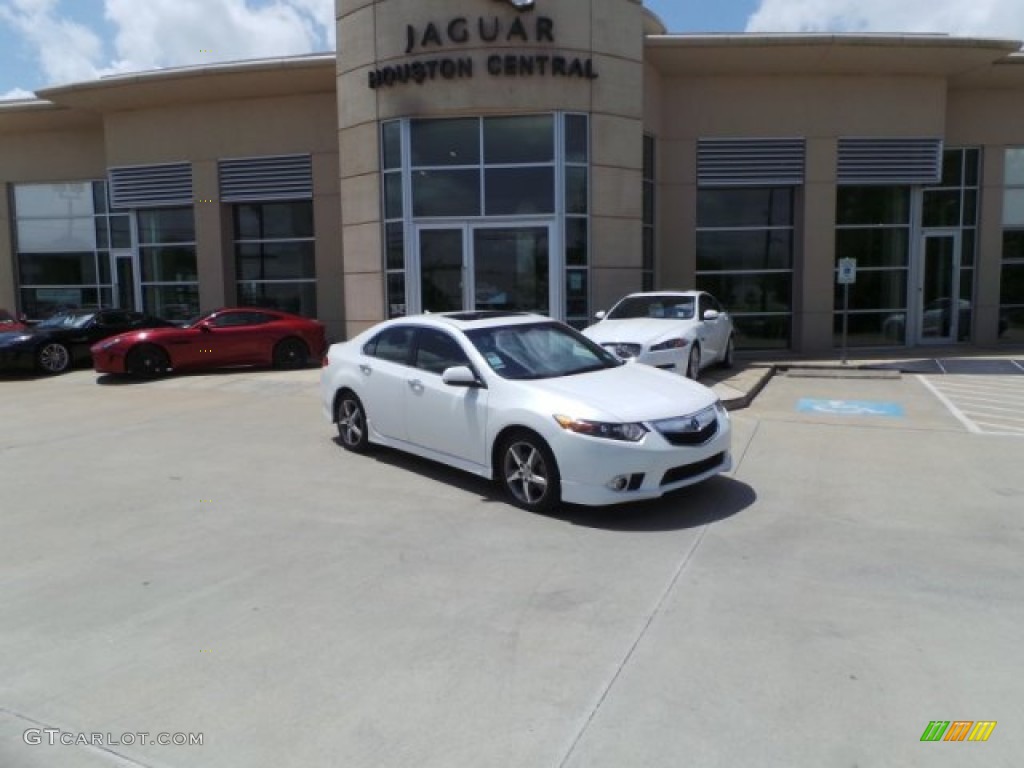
(528, 402)
(682, 331)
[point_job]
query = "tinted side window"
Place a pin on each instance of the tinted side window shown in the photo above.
(394, 345)
(437, 351)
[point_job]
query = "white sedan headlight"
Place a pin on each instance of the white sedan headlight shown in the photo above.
(670, 344)
(630, 433)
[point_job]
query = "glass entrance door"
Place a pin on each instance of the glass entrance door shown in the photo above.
(940, 310)
(504, 267)
(126, 287)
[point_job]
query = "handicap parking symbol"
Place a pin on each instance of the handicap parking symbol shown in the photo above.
(851, 408)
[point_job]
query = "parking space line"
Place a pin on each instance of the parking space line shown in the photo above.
(1013, 430)
(985, 386)
(984, 406)
(968, 424)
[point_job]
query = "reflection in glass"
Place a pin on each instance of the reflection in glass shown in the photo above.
(771, 207)
(396, 295)
(56, 201)
(751, 292)
(939, 305)
(870, 329)
(874, 247)
(167, 225)
(512, 268)
(1014, 176)
(274, 221)
(576, 190)
(876, 289)
(762, 331)
(745, 250)
(441, 269)
(170, 264)
(298, 298)
(873, 205)
(177, 303)
(941, 208)
(276, 261)
(576, 139)
(393, 207)
(576, 293)
(445, 142)
(576, 242)
(446, 193)
(520, 191)
(519, 140)
(57, 269)
(392, 145)
(56, 235)
(395, 246)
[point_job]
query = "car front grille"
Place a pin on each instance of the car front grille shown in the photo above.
(677, 474)
(624, 351)
(690, 430)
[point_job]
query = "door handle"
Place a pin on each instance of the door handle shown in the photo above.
(366, 369)
(416, 384)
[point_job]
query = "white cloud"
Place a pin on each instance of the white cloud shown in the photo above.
(64, 49)
(160, 33)
(17, 93)
(994, 18)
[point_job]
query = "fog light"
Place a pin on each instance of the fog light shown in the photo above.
(619, 484)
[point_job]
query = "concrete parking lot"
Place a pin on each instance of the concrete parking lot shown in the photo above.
(196, 555)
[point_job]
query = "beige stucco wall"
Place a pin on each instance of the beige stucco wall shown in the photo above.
(372, 35)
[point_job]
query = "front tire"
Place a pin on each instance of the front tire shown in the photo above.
(528, 472)
(290, 354)
(147, 362)
(53, 358)
(351, 420)
(693, 363)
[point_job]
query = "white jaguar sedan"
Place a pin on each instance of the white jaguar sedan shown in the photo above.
(683, 331)
(526, 401)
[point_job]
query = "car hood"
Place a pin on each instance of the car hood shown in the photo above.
(627, 393)
(8, 338)
(637, 331)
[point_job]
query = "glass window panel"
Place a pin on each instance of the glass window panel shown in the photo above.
(1011, 326)
(952, 168)
(762, 331)
(966, 304)
(1011, 290)
(576, 293)
(176, 303)
(396, 295)
(576, 191)
(446, 193)
(99, 196)
(168, 264)
(395, 246)
(276, 261)
(874, 247)
(967, 248)
(56, 235)
(445, 142)
(167, 225)
(771, 207)
(576, 242)
(393, 196)
(647, 257)
(298, 298)
(972, 167)
(40, 303)
(103, 261)
(876, 289)
(648, 157)
(519, 191)
(576, 139)
(57, 269)
(511, 268)
(1013, 208)
(745, 250)
(102, 233)
(970, 208)
(941, 208)
(1014, 167)
(120, 232)
(274, 221)
(648, 213)
(873, 205)
(68, 200)
(517, 140)
(1013, 245)
(871, 329)
(392, 145)
(763, 292)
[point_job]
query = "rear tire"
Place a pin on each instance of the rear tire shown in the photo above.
(351, 419)
(728, 357)
(290, 354)
(528, 473)
(147, 362)
(53, 358)
(693, 362)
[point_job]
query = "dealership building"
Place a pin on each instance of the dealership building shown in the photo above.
(548, 156)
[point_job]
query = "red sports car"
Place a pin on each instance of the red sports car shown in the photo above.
(221, 339)
(8, 323)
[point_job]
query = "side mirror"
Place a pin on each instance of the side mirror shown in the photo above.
(460, 376)
(205, 328)
(600, 315)
(711, 314)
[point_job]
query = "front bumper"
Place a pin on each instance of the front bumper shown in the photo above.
(588, 465)
(108, 362)
(17, 359)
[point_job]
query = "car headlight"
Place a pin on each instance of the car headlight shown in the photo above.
(722, 410)
(670, 344)
(630, 433)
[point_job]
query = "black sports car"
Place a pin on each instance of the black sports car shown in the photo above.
(61, 341)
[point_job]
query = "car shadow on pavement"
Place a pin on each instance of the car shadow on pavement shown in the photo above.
(126, 379)
(713, 500)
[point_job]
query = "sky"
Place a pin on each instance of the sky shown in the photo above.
(52, 42)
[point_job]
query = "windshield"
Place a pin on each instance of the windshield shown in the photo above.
(67, 320)
(658, 307)
(539, 351)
